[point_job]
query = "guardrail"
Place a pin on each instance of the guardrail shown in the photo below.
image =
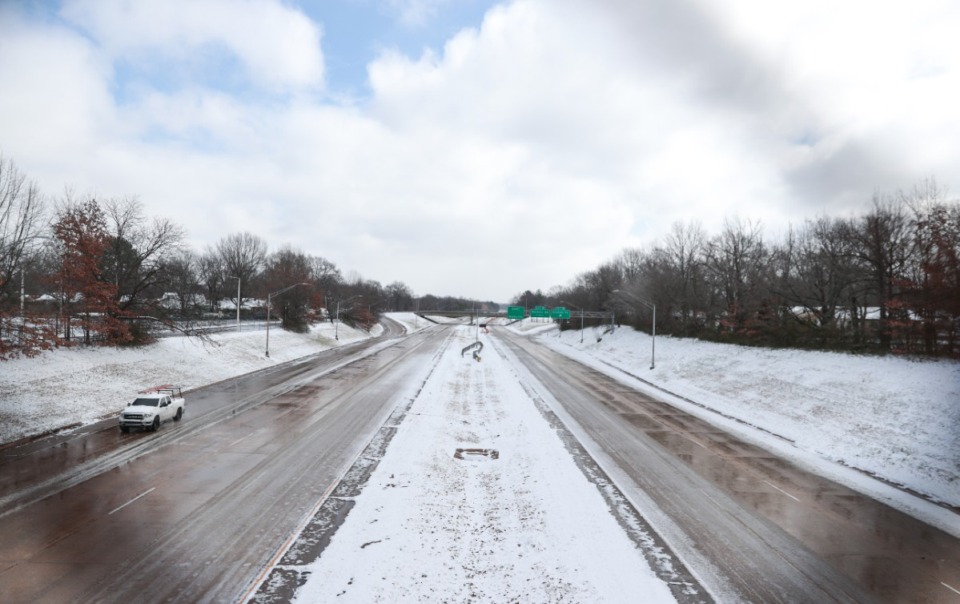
(476, 353)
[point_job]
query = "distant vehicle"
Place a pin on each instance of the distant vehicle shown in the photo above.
(152, 407)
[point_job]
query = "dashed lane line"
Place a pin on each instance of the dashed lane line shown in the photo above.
(781, 490)
(144, 494)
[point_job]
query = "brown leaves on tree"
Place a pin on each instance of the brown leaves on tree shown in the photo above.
(81, 231)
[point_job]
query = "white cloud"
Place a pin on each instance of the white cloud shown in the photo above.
(278, 46)
(54, 98)
(415, 13)
(527, 150)
(876, 84)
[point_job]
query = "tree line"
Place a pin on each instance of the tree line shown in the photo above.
(84, 270)
(885, 280)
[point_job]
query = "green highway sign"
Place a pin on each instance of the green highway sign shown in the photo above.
(539, 312)
(559, 313)
(516, 312)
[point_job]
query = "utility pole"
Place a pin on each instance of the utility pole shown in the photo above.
(238, 301)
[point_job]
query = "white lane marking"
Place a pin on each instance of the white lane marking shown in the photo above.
(956, 591)
(144, 494)
(241, 439)
(782, 491)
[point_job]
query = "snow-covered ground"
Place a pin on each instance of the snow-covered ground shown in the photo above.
(71, 386)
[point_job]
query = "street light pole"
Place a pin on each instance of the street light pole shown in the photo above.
(269, 296)
(336, 325)
(23, 297)
(565, 303)
(653, 340)
(238, 301)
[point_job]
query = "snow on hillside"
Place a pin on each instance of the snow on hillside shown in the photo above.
(73, 386)
(891, 417)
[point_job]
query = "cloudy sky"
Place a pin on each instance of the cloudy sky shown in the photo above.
(479, 148)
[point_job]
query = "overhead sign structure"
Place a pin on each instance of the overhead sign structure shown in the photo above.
(559, 313)
(516, 312)
(539, 312)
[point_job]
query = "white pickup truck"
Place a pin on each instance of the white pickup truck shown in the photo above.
(152, 407)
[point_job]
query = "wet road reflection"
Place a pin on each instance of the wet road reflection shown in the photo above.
(887, 554)
(39, 468)
(195, 511)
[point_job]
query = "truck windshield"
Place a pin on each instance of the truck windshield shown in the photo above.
(146, 402)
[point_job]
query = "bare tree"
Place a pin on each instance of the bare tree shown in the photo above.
(932, 289)
(368, 298)
(138, 251)
(212, 275)
(325, 276)
(632, 263)
(892, 274)
(883, 248)
(736, 260)
(818, 275)
(681, 276)
(21, 224)
(600, 284)
(526, 299)
(399, 296)
(183, 280)
(285, 268)
(242, 256)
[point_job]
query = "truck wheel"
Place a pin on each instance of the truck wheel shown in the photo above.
(156, 424)
(124, 429)
(179, 414)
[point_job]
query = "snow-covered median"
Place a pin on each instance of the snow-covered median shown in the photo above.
(477, 500)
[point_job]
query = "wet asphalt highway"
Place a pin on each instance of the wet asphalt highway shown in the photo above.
(44, 466)
(766, 530)
(196, 511)
(200, 510)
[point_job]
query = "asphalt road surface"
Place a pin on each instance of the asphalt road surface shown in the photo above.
(757, 526)
(196, 511)
(200, 510)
